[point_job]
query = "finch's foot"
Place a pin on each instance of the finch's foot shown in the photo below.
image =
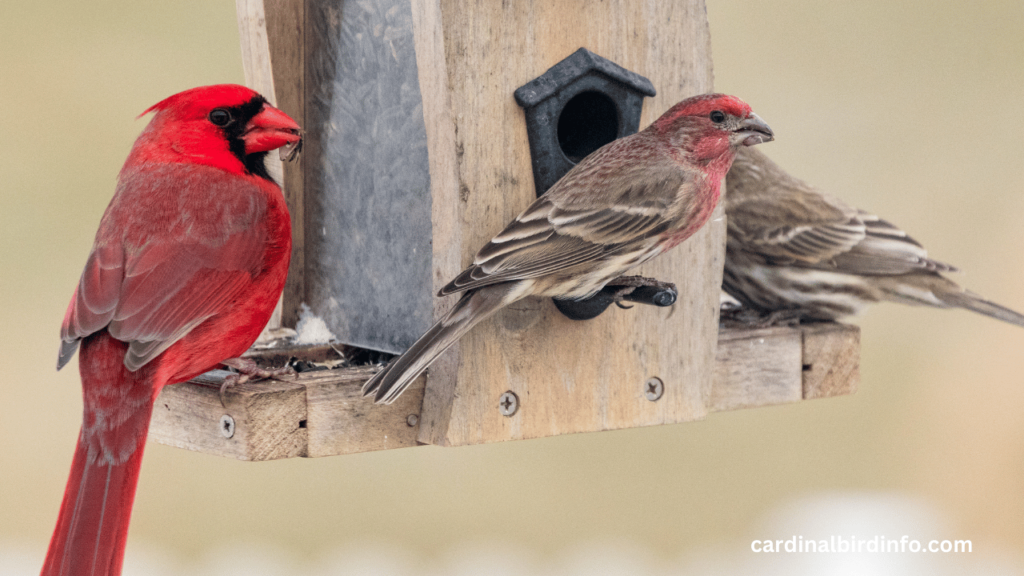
(642, 289)
(748, 318)
(247, 370)
(638, 281)
(620, 294)
(623, 289)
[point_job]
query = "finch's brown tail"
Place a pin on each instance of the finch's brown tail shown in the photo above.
(971, 301)
(473, 307)
(939, 291)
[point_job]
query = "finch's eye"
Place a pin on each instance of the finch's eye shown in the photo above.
(220, 117)
(717, 116)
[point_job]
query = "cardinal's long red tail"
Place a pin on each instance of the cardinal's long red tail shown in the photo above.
(93, 524)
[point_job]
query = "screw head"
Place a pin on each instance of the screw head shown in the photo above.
(412, 420)
(654, 388)
(508, 403)
(227, 426)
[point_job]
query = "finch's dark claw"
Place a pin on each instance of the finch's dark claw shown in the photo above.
(623, 306)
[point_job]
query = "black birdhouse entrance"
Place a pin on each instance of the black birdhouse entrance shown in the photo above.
(577, 106)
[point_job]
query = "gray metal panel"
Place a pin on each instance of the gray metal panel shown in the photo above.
(368, 230)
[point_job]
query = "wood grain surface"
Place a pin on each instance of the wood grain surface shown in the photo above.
(576, 375)
(323, 413)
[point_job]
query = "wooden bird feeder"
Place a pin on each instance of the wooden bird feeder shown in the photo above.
(417, 151)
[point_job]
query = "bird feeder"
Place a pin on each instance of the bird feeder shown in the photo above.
(429, 126)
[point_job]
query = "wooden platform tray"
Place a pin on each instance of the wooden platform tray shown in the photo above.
(322, 413)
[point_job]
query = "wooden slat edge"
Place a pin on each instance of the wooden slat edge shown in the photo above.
(285, 29)
(343, 421)
(268, 418)
(443, 159)
(273, 53)
(831, 364)
(252, 36)
(757, 368)
(323, 413)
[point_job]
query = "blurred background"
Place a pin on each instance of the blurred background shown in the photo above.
(914, 110)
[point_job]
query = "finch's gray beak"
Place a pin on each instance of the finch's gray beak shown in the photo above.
(752, 130)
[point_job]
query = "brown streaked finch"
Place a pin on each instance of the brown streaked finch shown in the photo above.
(794, 253)
(622, 205)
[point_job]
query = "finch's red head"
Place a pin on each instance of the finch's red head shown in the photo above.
(228, 126)
(713, 120)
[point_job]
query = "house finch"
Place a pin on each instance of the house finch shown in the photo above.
(188, 263)
(622, 205)
(797, 253)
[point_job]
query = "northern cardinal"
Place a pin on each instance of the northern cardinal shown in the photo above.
(793, 252)
(622, 205)
(187, 266)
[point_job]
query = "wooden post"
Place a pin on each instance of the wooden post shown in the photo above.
(273, 59)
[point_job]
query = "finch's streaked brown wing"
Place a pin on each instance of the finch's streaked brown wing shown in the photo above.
(783, 220)
(886, 250)
(559, 231)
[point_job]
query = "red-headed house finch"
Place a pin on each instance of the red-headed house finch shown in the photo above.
(188, 263)
(622, 205)
(795, 252)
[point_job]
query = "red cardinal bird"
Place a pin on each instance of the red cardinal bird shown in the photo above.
(794, 252)
(188, 263)
(624, 204)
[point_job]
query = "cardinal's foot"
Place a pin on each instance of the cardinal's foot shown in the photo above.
(247, 370)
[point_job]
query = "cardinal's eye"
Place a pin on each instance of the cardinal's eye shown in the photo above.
(220, 117)
(717, 116)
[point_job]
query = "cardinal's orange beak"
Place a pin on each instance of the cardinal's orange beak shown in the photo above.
(271, 129)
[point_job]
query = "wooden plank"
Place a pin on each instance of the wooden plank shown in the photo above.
(757, 368)
(831, 361)
(252, 34)
(273, 57)
(445, 185)
(323, 413)
(573, 374)
(269, 418)
(286, 21)
(342, 421)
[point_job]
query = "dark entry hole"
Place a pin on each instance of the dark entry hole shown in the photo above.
(586, 123)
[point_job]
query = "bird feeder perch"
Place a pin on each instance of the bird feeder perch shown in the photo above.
(429, 126)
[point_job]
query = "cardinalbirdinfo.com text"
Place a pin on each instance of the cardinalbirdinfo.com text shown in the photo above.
(841, 544)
